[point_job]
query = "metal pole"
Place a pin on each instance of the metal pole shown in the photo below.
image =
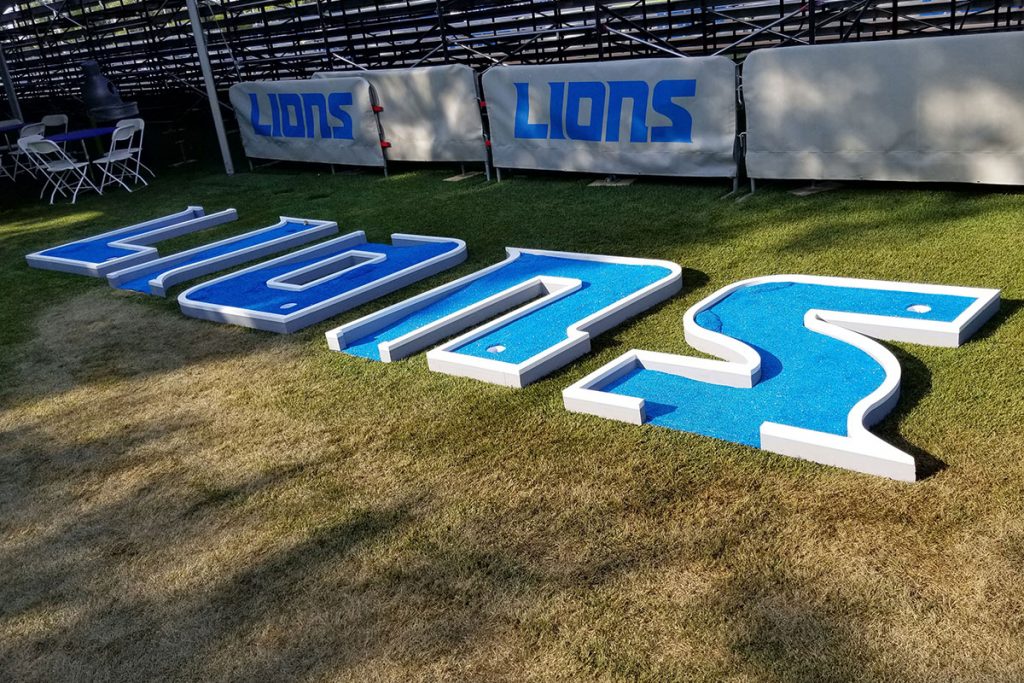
(785, 37)
(648, 43)
(704, 26)
(211, 87)
(428, 55)
(349, 62)
(763, 29)
(444, 30)
(12, 96)
(812, 22)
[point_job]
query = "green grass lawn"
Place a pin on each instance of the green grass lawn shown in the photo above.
(192, 501)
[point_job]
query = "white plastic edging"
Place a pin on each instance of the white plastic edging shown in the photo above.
(860, 451)
(158, 229)
(167, 279)
(444, 359)
(286, 323)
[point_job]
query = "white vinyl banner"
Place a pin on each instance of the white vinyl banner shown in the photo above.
(330, 121)
(923, 109)
(673, 117)
(429, 113)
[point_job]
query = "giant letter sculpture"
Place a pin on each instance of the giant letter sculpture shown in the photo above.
(572, 297)
(296, 290)
(102, 254)
(800, 377)
(157, 276)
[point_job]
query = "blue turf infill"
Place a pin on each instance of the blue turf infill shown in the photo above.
(525, 337)
(808, 379)
(153, 269)
(97, 250)
(250, 291)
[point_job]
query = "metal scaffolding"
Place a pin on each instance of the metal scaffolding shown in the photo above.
(147, 47)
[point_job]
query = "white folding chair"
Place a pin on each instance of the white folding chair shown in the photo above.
(121, 161)
(63, 172)
(137, 144)
(59, 124)
(19, 159)
(55, 121)
(31, 160)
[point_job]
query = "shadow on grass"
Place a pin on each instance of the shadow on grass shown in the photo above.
(127, 561)
(788, 630)
(915, 384)
(1008, 308)
(342, 588)
(693, 280)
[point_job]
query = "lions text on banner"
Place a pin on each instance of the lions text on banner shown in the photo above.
(673, 117)
(428, 113)
(329, 121)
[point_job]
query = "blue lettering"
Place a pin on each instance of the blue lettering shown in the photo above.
(336, 101)
(291, 106)
(665, 92)
(561, 300)
(303, 287)
(311, 101)
(800, 376)
(158, 275)
(619, 91)
(254, 116)
(579, 91)
(523, 127)
(569, 118)
(275, 114)
(304, 115)
(556, 107)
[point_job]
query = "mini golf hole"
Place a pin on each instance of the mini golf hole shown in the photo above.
(919, 308)
(288, 305)
(497, 348)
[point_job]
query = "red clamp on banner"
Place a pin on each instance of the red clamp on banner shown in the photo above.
(377, 108)
(483, 104)
(487, 143)
(385, 144)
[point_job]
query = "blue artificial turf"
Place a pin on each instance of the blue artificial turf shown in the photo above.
(808, 380)
(250, 291)
(525, 337)
(97, 249)
(153, 269)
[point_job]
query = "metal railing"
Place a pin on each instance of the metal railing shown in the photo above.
(147, 46)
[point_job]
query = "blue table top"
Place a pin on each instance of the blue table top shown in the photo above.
(73, 135)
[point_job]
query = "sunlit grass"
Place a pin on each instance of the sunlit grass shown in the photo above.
(191, 501)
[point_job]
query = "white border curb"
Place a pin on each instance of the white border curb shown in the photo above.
(861, 450)
(579, 334)
(286, 323)
(166, 227)
(170, 277)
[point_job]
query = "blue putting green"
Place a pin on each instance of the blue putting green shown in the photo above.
(520, 339)
(96, 249)
(249, 289)
(142, 275)
(808, 379)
